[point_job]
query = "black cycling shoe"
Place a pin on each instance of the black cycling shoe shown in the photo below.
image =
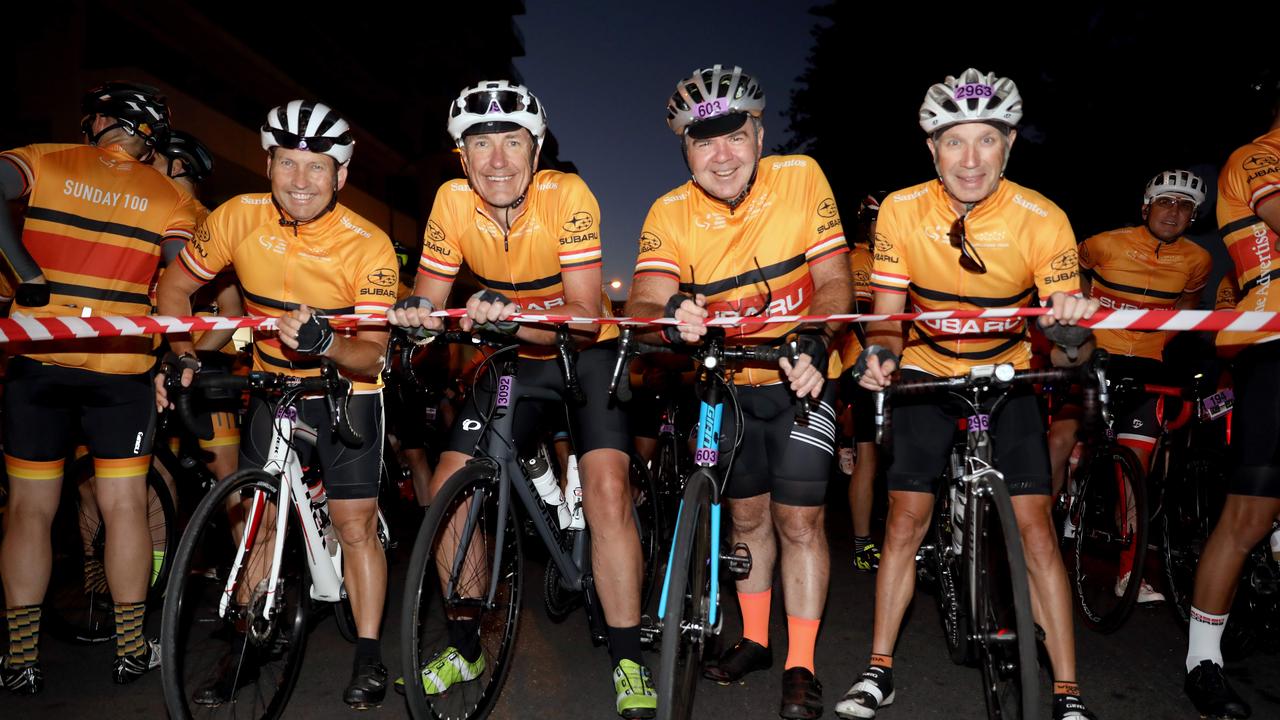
(26, 680)
(801, 695)
(230, 675)
(746, 657)
(368, 685)
(1212, 694)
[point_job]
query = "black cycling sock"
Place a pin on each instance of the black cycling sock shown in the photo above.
(368, 650)
(624, 644)
(860, 543)
(465, 636)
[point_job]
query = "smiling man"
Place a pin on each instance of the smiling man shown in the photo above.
(532, 239)
(1151, 267)
(300, 255)
(754, 236)
(969, 239)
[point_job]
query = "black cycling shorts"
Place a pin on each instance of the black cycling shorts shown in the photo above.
(597, 424)
(350, 473)
(47, 408)
(777, 455)
(924, 430)
(1255, 424)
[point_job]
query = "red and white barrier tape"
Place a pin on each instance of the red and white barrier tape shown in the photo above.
(26, 329)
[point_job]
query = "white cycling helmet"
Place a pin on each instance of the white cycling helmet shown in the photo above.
(713, 102)
(972, 97)
(1175, 182)
(496, 106)
(306, 125)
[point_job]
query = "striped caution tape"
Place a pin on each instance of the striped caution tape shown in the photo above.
(22, 328)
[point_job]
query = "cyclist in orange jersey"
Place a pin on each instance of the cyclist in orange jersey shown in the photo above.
(969, 239)
(751, 235)
(97, 217)
(1249, 220)
(532, 239)
(300, 255)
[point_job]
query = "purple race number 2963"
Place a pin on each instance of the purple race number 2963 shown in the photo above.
(974, 90)
(979, 423)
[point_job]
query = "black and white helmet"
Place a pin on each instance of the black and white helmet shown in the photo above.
(1176, 182)
(713, 102)
(972, 97)
(140, 109)
(495, 106)
(312, 126)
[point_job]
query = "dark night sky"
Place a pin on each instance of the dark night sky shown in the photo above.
(1113, 93)
(605, 72)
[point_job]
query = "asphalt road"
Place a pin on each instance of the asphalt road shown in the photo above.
(1135, 673)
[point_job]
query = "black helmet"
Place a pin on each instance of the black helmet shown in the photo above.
(869, 208)
(196, 159)
(407, 259)
(140, 109)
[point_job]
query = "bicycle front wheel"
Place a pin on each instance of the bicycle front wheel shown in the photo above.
(229, 647)
(78, 604)
(1004, 629)
(450, 597)
(686, 620)
(648, 520)
(1110, 516)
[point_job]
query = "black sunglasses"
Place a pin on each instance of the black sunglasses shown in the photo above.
(969, 259)
(486, 102)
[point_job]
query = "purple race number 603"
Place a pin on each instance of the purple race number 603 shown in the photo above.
(711, 108)
(706, 456)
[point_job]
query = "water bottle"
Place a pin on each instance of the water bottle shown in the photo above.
(544, 481)
(573, 492)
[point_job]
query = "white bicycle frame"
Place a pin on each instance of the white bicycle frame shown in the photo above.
(325, 562)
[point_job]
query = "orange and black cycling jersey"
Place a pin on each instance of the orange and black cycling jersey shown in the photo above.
(558, 232)
(1131, 269)
(850, 340)
(1250, 178)
(742, 259)
(1026, 244)
(95, 223)
(1228, 295)
(337, 264)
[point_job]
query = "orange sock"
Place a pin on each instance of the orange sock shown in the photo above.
(1068, 687)
(755, 615)
(802, 636)
(879, 660)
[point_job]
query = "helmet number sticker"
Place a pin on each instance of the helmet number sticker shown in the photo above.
(711, 108)
(974, 90)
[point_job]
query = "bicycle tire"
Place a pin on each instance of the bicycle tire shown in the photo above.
(275, 647)
(685, 622)
(946, 572)
(648, 518)
(1009, 693)
(1190, 509)
(1100, 539)
(79, 609)
(424, 619)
